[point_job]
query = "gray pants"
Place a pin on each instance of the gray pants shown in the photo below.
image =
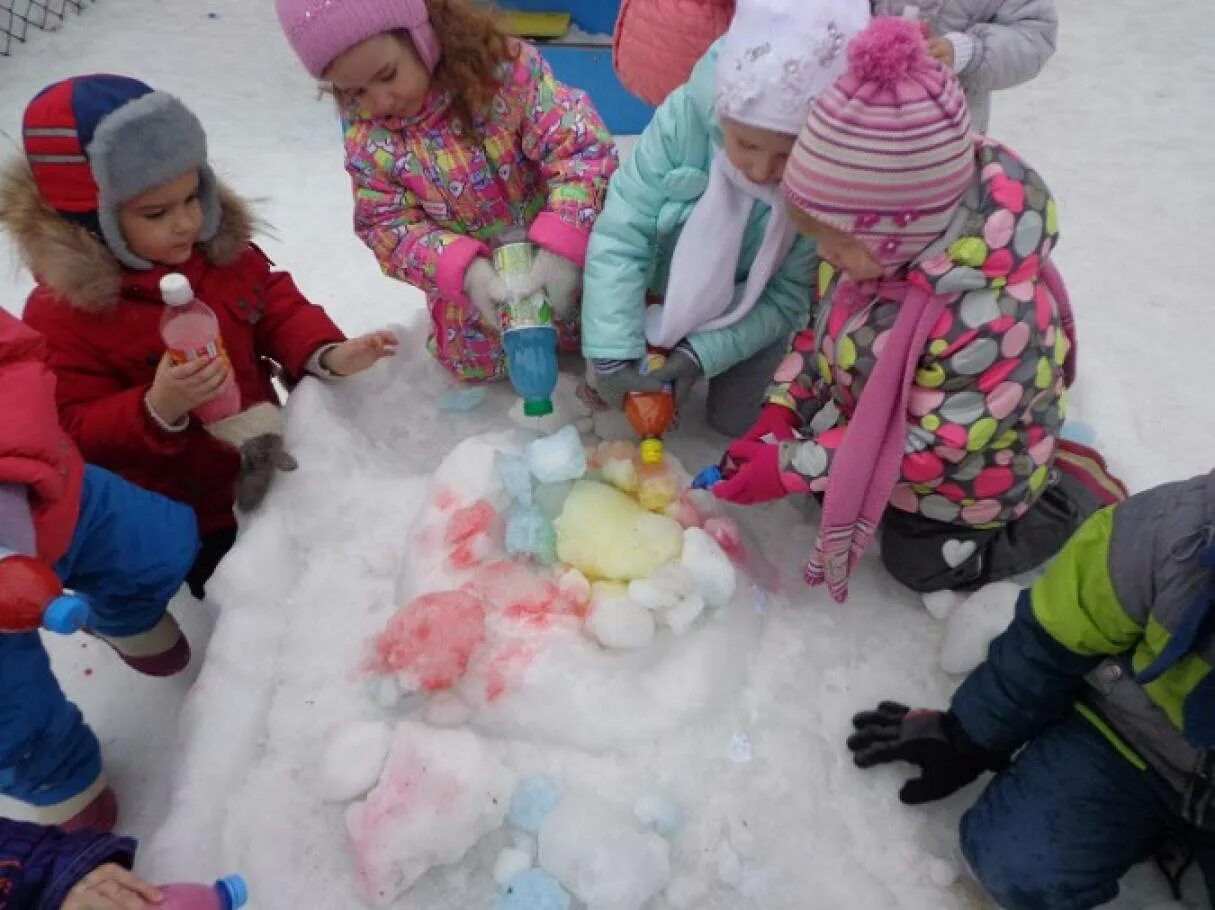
(736, 395)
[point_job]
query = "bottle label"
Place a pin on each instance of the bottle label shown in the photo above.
(524, 312)
(211, 351)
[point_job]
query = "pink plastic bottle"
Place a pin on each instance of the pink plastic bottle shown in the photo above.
(229, 893)
(190, 331)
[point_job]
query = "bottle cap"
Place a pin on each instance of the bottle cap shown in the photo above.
(537, 407)
(175, 289)
(66, 614)
(234, 890)
(651, 451)
(708, 478)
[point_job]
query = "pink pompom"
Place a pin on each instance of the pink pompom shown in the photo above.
(887, 50)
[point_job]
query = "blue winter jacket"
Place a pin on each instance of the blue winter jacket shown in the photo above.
(39, 865)
(648, 202)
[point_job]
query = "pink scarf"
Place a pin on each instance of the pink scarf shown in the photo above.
(869, 461)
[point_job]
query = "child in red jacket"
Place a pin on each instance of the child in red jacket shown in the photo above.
(125, 549)
(115, 193)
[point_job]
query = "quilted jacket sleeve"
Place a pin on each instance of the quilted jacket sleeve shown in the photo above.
(39, 865)
(779, 312)
(1013, 38)
(291, 328)
(388, 218)
(621, 257)
(564, 134)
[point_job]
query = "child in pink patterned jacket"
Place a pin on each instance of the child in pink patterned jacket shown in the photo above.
(454, 134)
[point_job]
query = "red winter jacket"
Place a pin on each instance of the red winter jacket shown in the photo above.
(34, 450)
(101, 322)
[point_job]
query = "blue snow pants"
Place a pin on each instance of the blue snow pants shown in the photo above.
(129, 554)
(1060, 827)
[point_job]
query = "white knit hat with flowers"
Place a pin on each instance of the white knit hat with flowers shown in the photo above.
(779, 54)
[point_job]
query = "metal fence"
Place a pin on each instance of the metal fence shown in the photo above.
(18, 17)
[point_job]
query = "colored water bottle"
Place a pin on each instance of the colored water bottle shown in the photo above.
(229, 893)
(190, 331)
(528, 334)
(651, 414)
(31, 596)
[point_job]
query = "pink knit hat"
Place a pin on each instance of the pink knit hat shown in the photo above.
(887, 151)
(322, 30)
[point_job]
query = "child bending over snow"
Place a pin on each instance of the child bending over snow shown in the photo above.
(695, 217)
(928, 395)
(1096, 708)
(114, 194)
(455, 134)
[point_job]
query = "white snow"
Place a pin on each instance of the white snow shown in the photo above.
(974, 624)
(740, 720)
(353, 762)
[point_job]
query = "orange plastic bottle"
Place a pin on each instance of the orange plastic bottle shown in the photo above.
(650, 414)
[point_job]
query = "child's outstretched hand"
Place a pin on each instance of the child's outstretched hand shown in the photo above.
(179, 389)
(111, 887)
(357, 354)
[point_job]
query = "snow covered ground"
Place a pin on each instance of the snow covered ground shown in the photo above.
(747, 739)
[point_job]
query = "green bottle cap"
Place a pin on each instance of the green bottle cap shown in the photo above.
(537, 407)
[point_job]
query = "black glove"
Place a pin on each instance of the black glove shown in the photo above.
(260, 457)
(681, 370)
(933, 740)
(613, 379)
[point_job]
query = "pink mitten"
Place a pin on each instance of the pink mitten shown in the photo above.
(775, 420)
(754, 475)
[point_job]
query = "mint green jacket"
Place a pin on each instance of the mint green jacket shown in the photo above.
(648, 201)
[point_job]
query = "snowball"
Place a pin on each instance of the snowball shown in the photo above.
(658, 487)
(680, 617)
(440, 792)
(557, 457)
(602, 856)
(940, 604)
(353, 760)
(551, 497)
(615, 620)
(607, 535)
(652, 595)
(575, 588)
(509, 864)
(534, 798)
(709, 566)
(533, 889)
(621, 473)
(429, 642)
(973, 625)
(659, 812)
(515, 475)
(530, 533)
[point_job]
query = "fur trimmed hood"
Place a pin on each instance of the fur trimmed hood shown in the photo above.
(76, 265)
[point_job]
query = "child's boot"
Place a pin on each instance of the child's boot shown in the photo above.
(161, 651)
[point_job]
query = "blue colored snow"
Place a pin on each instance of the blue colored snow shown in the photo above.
(534, 798)
(534, 889)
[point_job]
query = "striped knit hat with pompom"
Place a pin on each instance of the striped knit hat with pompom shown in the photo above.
(887, 151)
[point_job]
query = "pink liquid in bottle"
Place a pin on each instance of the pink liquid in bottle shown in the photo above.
(190, 331)
(229, 893)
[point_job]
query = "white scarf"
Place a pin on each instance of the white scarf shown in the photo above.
(701, 295)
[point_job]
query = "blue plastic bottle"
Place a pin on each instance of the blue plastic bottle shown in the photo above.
(528, 334)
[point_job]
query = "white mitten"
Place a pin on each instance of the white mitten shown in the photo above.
(560, 279)
(485, 291)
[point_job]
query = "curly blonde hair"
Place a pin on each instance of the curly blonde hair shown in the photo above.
(474, 48)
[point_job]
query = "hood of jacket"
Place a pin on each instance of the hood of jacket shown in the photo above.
(1003, 231)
